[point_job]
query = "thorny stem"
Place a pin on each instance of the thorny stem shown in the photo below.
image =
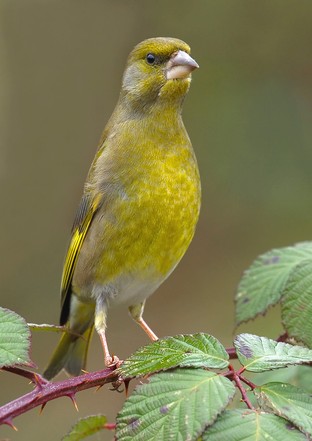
(45, 391)
(242, 391)
(36, 379)
(238, 379)
(248, 382)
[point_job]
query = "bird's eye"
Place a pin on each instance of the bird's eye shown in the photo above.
(150, 58)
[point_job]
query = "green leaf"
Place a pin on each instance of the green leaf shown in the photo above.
(289, 402)
(258, 354)
(86, 427)
(297, 303)
(175, 405)
(198, 350)
(249, 425)
(14, 339)
(262, 285)
(298, 375)
(303, 378)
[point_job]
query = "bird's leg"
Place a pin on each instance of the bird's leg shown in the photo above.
(136, 312)
(100, 326)
(108, 359)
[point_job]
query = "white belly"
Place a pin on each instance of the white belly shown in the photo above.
(128, 290)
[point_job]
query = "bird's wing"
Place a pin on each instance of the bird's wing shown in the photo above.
(86, 210)
(85, 213)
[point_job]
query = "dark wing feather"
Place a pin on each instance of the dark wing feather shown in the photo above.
(87, 208)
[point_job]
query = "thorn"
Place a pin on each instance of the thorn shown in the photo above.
(39, 380)
(99, 387)
(72, 397)
(39, 395)
(84, 371)
(42, 407)
(9, 422)
(29, 364)
(127, 382)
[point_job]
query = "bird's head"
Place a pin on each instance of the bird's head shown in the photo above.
(158, 71)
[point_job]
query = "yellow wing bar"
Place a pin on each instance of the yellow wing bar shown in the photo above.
(82, 222)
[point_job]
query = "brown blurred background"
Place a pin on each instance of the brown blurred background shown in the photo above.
(249, 115)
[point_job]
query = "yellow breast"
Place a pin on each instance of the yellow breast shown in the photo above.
(151, 201)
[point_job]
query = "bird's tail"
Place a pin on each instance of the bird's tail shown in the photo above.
(70, 354)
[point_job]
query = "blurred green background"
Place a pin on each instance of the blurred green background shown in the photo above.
(249, 115)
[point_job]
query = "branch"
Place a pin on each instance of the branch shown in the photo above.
(236, 377)
(32, 376)
(242, 390)
(46, 391)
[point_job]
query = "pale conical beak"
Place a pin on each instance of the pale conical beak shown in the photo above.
(180, 65)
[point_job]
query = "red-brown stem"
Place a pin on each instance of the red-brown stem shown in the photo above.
(242, 390)
(283, 338)
(37, 379)
(47, 391)
(238, 381)
(110, 426)
(248, 382)
(231, 353)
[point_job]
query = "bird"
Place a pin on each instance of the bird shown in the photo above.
(140, 204)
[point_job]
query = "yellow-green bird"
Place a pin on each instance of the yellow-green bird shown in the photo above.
(140, 203)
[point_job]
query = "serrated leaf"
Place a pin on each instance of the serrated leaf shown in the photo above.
(175, 405)
(298, 375)
(249, 425)
(258, 354)
(297, 303)
(86, 427)
(303, 379)
(262, 285)
(198, 350)
(14, 339)
(289, 402)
